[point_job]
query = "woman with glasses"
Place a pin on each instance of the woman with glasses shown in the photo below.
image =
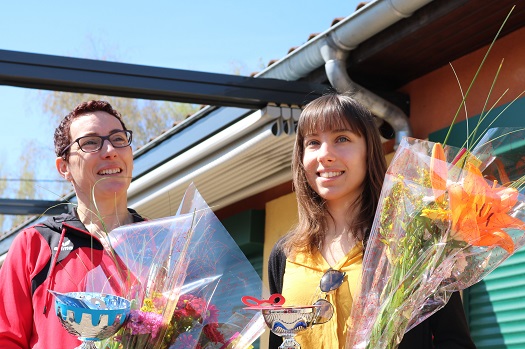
(94, 154)
(338, 170)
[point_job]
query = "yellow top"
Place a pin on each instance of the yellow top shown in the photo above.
(301, 286)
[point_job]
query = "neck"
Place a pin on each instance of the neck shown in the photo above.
(339, 238)
(101, 219)
(341, 218)
(336, 245)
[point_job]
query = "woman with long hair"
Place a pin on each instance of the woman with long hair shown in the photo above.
(338, 170)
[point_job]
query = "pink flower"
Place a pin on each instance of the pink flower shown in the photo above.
(160, 302)
(144, 323)
(212, 332)
(192, 307)
(212, 314)
(185, 341)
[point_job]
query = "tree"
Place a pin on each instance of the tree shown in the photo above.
(147, 119)
(26, 187)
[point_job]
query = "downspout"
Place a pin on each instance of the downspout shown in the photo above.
(336, 72)
(331, 49)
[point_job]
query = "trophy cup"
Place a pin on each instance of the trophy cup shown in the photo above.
(287, 321)
(91, 316)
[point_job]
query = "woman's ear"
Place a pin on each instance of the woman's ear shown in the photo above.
(63, 168)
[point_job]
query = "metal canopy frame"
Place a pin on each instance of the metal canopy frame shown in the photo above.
(33, 207)
(58, 73)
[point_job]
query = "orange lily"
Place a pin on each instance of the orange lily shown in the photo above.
(438, 172)
(478, 211)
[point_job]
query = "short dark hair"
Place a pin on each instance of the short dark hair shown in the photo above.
(62, 136)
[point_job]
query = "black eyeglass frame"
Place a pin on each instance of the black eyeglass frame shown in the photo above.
(129, 136)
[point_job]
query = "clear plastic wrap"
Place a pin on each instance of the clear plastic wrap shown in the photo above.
(446, 218)
(185, 277)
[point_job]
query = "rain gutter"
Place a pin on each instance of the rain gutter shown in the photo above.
(331, 49)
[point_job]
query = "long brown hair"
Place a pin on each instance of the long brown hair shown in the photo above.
(328, 112)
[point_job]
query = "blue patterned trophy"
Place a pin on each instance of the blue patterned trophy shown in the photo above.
(91, 316)
(287, 321)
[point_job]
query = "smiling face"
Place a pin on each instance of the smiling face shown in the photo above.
(335, 164)
(338, 167)
(108, 170)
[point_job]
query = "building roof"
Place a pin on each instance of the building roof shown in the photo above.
(258, 157)
(433, 36)
(233, 153)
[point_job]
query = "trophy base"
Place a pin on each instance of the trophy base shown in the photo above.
(289, 343)
(87, 345)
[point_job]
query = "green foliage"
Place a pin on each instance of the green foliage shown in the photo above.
(147, 119)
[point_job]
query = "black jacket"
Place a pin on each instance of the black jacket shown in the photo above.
(445, 329)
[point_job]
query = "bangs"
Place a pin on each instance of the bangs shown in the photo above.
(322, 120)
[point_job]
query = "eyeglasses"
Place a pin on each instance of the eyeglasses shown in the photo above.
(330, 281)
(92, 144)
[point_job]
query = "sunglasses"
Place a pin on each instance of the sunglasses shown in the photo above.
(330, 281)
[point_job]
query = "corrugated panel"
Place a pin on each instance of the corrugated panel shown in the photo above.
(255, 139)
(496, 306)
(228, 180)
(247, 166)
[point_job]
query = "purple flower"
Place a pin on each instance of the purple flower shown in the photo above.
(143, 323)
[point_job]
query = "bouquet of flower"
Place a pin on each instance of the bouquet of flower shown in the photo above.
(191, 313)
(446, 218)
(185, 277)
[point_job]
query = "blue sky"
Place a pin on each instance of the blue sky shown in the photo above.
(211, 36)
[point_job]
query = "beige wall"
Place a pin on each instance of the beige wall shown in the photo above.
(281, 215)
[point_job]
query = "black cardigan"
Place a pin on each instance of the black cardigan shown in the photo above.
(445, 329)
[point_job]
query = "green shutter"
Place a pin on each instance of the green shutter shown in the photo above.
(247, 229)
(513, 116)
(495, 307)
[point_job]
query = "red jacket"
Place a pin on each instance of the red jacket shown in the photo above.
(31, 268)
